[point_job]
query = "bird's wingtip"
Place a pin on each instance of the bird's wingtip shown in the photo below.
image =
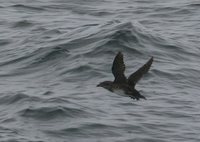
(151, 59)
(119, 52)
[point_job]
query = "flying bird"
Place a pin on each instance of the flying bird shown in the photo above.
(121, 85)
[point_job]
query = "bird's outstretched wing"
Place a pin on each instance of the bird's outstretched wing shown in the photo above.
(118, 69)
(136, 76)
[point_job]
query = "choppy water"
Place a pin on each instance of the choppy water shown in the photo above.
(53, 53)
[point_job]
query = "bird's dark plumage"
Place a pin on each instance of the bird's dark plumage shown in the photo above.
(121, 82)
(136, 76)
(118, 69)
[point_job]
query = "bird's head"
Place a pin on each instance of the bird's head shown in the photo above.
(106, 84)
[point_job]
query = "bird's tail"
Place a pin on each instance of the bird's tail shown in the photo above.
(138, 96)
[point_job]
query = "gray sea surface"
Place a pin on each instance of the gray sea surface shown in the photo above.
(53, 53)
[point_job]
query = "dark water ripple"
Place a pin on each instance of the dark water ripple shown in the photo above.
(25, 7)
(15, 98)
(22, 24)
(48, 113)
(53, 54)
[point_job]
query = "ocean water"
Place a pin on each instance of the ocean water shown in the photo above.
(53, 53)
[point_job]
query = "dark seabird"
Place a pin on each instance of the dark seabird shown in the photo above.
(121, 85)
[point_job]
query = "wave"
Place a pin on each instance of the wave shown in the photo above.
(52, 112)
(35, 59)
(17, 98)
(4, 42)
(22, 6)
(22, 24)
(92, 129)
(194, 5)
(97, 41)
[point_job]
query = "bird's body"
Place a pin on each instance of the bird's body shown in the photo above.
(121, 85)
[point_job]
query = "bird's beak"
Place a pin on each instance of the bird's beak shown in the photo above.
(98, 85)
